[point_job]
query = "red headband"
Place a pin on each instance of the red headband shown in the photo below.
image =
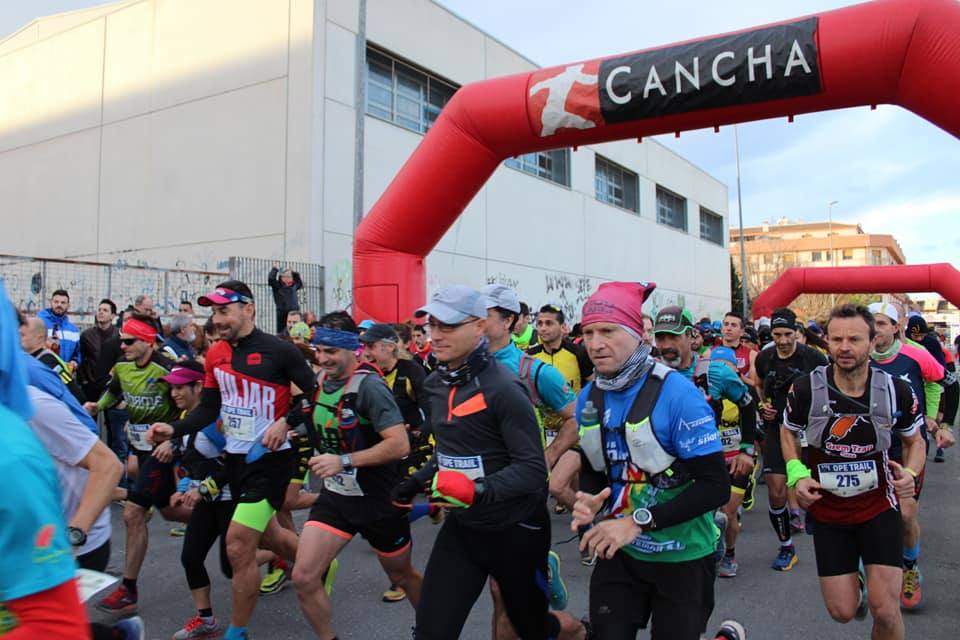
(619, 303)
(140, 330)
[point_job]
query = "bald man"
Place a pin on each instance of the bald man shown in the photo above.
(34, 340)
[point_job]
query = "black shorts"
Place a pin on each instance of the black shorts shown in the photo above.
(773, 461)
(840, 547)
(625, 593)
(155, 482)
(265, 479)
(389, 536)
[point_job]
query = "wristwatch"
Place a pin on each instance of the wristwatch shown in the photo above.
(346, 461)
(643, 519)
(747, 449)
(76, 536)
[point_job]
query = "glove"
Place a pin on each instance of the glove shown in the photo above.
(453, 487)
(406, 491)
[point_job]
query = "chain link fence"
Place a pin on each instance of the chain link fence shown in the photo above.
(31, 281)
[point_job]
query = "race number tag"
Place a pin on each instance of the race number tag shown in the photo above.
(730, 438)
(550, 435)
(847, 479)
(470, 466)
(137, 433)
(239, 423)
(344, 483)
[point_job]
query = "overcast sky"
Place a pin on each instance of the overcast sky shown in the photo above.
(888, 169)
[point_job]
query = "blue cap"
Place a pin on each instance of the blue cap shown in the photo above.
(717, 325)
(366, 324)
(455, 304)
(500, 295)
(724, 353)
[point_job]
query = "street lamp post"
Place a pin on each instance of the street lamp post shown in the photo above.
(833, 259)
(743, 253)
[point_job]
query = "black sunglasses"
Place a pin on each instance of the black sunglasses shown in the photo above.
(128, 341)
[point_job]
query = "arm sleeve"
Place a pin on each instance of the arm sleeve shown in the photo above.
(910, 419)
(748, 419)
(932, 391)
(298, 371)
(527, 472)
(709, 490)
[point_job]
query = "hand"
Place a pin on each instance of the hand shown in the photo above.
(932, 425)
(808, 492)
(945, 438)
(767, 412)
(159, 432)
(191, 498)
(325, 465)
(904, 482)
(406, 491)
(586, 508)
(742, 465)
(275, 435)
(606, 538)
(164, 452)
(176, 499)
(91, 408)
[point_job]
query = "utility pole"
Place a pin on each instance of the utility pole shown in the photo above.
(743, 251)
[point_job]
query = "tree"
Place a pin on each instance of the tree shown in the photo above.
(736, 289)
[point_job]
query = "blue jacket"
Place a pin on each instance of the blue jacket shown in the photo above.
(68, 333)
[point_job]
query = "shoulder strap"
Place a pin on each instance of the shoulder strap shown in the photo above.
(819, 414)
(883, 399)
(649, 393)
(530, 377)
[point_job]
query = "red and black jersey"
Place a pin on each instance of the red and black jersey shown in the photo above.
(848, 458)
(743, 358)
(247, 385)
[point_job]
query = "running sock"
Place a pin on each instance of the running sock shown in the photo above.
(205, 613)
(911, 555)
(236, 633)
(131, 586)
(780, 519)
(731, 552)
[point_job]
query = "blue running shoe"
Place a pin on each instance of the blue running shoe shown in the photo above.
(131, 628)
(558, 590)
(720, 519)
(786, 559)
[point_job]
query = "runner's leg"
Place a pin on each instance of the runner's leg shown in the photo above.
(319, 545)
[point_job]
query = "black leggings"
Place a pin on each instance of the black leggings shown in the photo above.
(208, 522)
(463, 558)
(96, 560)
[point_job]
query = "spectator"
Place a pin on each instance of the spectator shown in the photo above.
(310, 318)
(33, 339)
(99, 350)
(293, 318)
(143, 303)
(285, 290)
(178, 345)
(59, 325)
(523, 334)
(185, 306)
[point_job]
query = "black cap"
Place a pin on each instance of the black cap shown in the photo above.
(783, 318)
(916, 324)
(378, 332)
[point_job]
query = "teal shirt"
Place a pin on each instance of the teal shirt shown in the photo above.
(553, 389)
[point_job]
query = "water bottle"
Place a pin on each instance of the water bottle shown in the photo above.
(256, 451)
(588, 415)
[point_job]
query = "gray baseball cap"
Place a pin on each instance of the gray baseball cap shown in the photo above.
(500, 295)
(455, 304)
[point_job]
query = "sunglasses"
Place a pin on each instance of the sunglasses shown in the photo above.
(129, 341)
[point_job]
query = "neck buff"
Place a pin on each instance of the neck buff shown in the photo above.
(475, 362)
(638, 364)
(889, 353)
(336, 338)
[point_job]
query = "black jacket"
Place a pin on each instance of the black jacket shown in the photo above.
(284, 297)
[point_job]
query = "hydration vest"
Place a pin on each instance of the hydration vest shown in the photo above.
(645, 451)
(340, 428)
(883, 410)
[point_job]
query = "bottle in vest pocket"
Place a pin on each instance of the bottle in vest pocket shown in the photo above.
(591, 439)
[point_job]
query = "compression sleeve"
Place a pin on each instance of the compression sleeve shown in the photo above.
(932, 391)
(709, 490)
(206, 412)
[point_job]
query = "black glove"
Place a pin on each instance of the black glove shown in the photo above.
(407, 490)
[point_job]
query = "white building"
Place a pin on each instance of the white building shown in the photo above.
(182, 132)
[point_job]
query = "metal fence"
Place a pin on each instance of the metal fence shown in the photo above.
(30, 282)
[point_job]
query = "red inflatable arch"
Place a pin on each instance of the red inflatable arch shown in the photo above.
(904, 52)
(941, 278)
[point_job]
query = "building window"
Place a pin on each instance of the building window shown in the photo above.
(403, 94)
(711, 226)
(551, 165)
(876, 256)
(848, 254)
(616, 185)
(816, 256)
(671, 209)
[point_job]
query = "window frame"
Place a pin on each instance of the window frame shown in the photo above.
(672, 194)
(540, 164)
(406, 79)
(704, 211)
(604, 180)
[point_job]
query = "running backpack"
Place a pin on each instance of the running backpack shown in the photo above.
(882, 411)
(531, 377)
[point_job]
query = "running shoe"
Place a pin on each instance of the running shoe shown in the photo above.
(119, 603)
(911, 597)
(196, 628)
(730, 630)
(720, 519)
(178, 531)
(558, 590)
(236, 634)
(131, 629)
(728, 567)
(394, 594)
(938, 456)
(587, 559)
(330, 576)
(796, 522)
(276, 578)
(786, 559)
(862, 606)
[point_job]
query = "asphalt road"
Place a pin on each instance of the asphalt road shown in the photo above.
(772, 605)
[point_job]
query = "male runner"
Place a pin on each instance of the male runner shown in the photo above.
(361, 436)
(556, 349)
(918, 368)
(489, 465)
(773, 372)
(850, 412)
(652, 436)
(523, 333)
(136, 381)
(247, 384)
(732, 331)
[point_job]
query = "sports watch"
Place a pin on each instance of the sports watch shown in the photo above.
(643, 519)
(76, 536)
(346, 461)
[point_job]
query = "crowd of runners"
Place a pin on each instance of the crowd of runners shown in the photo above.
(652, 435)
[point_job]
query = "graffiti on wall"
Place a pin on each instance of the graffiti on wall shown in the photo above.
(341, 285)
(567, 292)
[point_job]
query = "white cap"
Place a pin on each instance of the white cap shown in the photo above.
(886, 309)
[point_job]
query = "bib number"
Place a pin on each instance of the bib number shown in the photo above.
(470, 466)
(845, 479)
(137, 434)
(239, 423)
(344, 483)
(730, 438)
(550, 435)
